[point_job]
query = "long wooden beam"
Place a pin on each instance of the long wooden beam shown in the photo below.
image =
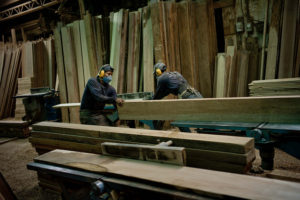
(279, 109)
(208, 183)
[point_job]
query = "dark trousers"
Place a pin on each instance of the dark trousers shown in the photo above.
(87, 117)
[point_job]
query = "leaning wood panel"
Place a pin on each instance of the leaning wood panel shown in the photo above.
(148, 50)
(195, 141)
(273, 44)
(252, 109)
(61, 73)
(185, 41)
(218, 184)
(286, 60)
(78, 53)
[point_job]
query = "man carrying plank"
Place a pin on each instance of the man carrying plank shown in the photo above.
(96, 94)
(172, 83)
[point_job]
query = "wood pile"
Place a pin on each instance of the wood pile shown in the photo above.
(224, 153)
(138, 39)
(10, 65)
(24, 85)
(14, 129)
(196, 183)
(275, 87)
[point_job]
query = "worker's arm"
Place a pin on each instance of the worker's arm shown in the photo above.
(162, 89)
(97, 92)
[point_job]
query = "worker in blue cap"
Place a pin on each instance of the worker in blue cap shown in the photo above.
(96, 94)
(172, 83)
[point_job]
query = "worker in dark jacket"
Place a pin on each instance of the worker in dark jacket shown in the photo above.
(96, 94)
(172, 83)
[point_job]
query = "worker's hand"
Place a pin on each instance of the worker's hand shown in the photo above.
(119, 101)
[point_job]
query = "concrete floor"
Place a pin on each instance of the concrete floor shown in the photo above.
(15, 155)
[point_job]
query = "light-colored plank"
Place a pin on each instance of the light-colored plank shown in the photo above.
(216, 183)
(273, 43)
(84, 51)
(70, 72)
(148, 50)
(79, 57)
(248, 109)
(61, 72)
(220, 75)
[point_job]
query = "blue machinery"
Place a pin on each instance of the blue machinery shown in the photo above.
(266, 135)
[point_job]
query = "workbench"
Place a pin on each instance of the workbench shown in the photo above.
(83, 174)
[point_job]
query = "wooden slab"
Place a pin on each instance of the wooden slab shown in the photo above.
(147, 50)
(70, 72)
(286, 60)
(195, 141)
(284, 175)
(216, 183)
(252, 109)
(61, 72)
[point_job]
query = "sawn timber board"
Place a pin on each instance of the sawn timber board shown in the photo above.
(206, 182)
(279, 109)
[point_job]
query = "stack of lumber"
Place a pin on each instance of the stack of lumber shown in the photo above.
(235, 69)
(224, 153)
(195, 183)
(14, 129)
(275, 87)
(80, 48)
(24, 85)
(10, 65)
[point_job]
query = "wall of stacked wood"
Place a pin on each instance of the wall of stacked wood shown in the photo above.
(269, 49)
(23, 66)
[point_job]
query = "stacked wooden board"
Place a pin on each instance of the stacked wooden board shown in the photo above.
(235, 69)
(224, 153)
(10, 65)
(80, 50)
(14, 129)
(275, 87)
(24, 85)
(199, 183)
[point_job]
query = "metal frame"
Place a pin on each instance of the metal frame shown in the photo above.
(26, 8)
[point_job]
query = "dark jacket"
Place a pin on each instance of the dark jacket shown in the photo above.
(96, 95)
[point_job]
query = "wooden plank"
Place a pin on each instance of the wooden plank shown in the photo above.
(79, 58)
(252, 109)
(220, 75)
(133, 64)
(147, 50)
(185, 41)
(196, 157)
(284, 175)
(61, 72)
(91, 42)
(157, 30)
(70, 72)
(115, 46)
(195, 141)
(228, 17)
(185, 178)
(27, 59)
(2, 53)
(286, 60)
(273, 42)
(243, 65)
(123, 53)
(84, 51)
